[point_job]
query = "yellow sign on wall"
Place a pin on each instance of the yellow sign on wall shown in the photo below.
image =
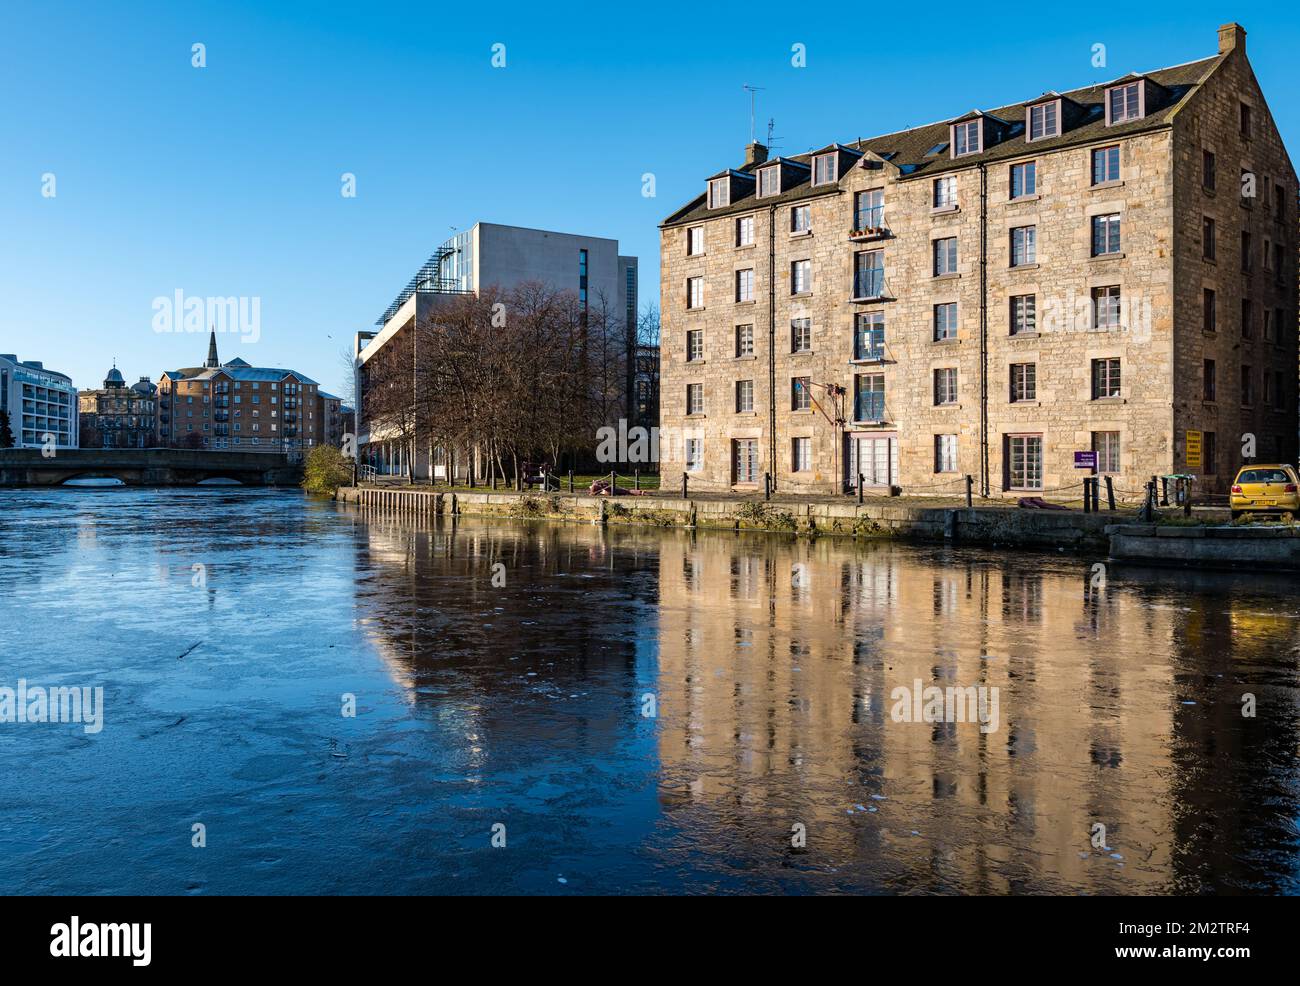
(1193, 448)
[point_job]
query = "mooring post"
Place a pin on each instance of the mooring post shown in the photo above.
(767, 486)
(683, 486)
(861, 484)
(970, 482)
(1110, 493)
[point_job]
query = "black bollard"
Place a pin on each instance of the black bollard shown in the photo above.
(683, 486)
(970, 483)
(861, 486)
(1110, 493)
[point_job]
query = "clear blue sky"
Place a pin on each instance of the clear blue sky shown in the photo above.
(226, 180)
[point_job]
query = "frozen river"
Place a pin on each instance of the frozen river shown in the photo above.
(302, 698)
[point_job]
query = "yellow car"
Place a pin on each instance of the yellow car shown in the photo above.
(1271, 489)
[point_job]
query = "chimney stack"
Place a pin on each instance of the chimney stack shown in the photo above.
(755, 153)
(1232, 36)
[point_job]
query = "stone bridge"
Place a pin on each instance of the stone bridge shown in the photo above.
(147, 467)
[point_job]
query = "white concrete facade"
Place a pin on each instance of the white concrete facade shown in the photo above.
(39, 403)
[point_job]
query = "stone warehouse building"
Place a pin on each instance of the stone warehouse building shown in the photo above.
(1105, 270)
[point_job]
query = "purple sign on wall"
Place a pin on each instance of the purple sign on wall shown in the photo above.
(1085, 460)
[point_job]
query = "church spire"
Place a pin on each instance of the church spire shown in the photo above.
(212, 362)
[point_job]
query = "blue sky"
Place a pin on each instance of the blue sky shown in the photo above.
(226, 181)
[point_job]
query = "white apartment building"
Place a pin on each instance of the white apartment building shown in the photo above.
(41, 403)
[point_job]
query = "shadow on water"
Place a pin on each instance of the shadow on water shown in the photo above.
(640, 709)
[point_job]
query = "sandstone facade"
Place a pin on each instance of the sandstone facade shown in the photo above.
(814, 402)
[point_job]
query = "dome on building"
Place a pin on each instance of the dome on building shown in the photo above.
(145, 386)
(114, 378)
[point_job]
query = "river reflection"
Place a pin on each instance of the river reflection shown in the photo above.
(503, 673)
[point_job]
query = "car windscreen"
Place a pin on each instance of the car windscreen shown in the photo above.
(1264, 476)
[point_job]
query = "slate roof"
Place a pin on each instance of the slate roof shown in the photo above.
(910, 148)
(235, 371)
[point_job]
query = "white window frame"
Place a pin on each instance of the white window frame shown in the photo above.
(694, 293)
(694, 353)
(1023, 316)
(770, 174)
(739, 335)
(943, 256)
(801, 393)
(961, 137)
(800, 454)
(1028, 236)
(1139, 103)
(744, 396)
(1026, 388)
(1026, 169)
(692, 406)
(744, 285)
(825, 163)
(948, 329)
(797, 211)
(949, 390)
(1108, 458)
(694, 238)
(694, 454)
(719, 192)
(801, 276)
(944, 192)
(800, 331)
(945, 453)
(1031, 472)
(744, 224)
(1054, 105)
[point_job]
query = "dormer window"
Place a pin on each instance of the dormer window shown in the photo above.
(967, 138)
(825, 170)
(1044, 120)
(769, 181)
(1124, 103)
(719, 193)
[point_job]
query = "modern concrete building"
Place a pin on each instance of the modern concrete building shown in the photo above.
(501, 257)
(234, 405)
(41, 404)
(118, 416)
(1109, 271)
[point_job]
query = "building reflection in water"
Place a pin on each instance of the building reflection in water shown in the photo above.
(773, 662)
